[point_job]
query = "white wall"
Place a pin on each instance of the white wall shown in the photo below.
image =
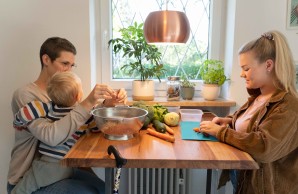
(25, 24)
(249, 20)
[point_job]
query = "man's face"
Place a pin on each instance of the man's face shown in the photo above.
(65, 62)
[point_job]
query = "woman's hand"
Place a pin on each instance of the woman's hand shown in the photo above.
(222, 121)
(210, 127)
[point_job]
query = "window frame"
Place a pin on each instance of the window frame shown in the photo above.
(101, 54)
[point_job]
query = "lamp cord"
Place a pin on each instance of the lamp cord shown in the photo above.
(167, 1)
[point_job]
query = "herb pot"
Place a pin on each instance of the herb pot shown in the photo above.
(187, 93)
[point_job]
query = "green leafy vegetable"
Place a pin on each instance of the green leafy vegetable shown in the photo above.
(150, 109)
(159, 112)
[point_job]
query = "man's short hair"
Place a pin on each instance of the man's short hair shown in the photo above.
(54, 46)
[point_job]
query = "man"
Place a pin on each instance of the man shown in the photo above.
(56, 54)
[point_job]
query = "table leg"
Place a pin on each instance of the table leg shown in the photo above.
(209, 180)
(109, 181)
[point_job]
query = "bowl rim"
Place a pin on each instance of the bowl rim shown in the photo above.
(120, 107)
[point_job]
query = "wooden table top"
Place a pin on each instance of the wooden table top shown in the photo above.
(146, 151)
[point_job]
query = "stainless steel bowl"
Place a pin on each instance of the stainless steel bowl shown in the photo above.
(119, 123)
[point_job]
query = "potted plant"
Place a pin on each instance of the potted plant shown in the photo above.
(144, 60)
(213, 76)
(187, 88)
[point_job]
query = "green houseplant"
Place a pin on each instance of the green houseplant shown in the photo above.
(187, 88)
(213, 76)
(212, 72)
(144, 59)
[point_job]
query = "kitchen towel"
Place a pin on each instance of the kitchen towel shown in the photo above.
(188, 133)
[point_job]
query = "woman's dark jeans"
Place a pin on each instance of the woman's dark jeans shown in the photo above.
(234, 179)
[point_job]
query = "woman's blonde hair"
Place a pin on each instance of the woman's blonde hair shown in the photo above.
(273, 45)
(64, 88)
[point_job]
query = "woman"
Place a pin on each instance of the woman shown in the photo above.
(56, 54)
(266, 125)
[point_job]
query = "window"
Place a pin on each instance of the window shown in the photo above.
(179, 59)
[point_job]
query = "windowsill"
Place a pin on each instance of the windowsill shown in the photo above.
(196, 101)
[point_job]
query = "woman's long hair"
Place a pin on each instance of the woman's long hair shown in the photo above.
(273, 45)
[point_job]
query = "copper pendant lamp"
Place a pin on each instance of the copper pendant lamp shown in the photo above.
(166, 27)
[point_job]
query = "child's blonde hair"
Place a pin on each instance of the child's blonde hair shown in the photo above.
(64, 88)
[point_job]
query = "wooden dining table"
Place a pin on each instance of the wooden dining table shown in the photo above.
(146, 151)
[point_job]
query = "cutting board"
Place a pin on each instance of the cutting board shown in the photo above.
(188, 133)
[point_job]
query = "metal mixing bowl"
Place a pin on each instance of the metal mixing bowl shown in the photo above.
(119, 123)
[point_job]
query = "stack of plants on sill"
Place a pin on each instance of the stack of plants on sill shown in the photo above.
(187, 88)
(144, 60)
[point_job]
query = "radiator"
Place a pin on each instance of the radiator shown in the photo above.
(158, 181)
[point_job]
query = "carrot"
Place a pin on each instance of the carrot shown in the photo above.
(161, 135)
(169, 129)
(197, 129)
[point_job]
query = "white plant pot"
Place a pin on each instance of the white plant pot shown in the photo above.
(210, 91)
(143, 90)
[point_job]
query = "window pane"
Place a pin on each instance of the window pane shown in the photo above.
(178, 59)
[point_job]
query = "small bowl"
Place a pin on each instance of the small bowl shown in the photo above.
(191, 115)
(119, 123)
